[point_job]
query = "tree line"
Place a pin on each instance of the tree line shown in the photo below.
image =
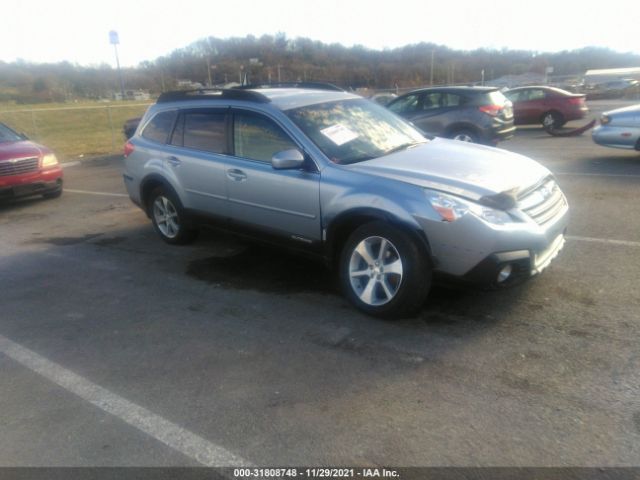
(272, 58)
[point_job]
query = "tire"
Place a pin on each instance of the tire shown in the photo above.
(168, 217)
(552, 120)
(465, 135)
(399, 292)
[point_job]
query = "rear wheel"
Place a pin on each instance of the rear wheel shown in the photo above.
(168, 217)
(552, 120)
(383, 272)
(465, 136)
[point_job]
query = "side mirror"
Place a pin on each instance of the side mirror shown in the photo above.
(291, 159)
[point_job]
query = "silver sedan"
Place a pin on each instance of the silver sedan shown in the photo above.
(619, 128)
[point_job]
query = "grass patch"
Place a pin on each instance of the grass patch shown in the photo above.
(73, 131)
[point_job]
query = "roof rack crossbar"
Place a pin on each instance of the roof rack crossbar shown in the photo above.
(212, 93)
(308, 85)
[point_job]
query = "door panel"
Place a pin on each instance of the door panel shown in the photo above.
(285, 202)
(196, 157)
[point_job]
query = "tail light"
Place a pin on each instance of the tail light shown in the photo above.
(493, 110)
(576, 100)
(128, 149)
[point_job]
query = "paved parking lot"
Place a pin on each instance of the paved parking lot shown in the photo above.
(117, 349)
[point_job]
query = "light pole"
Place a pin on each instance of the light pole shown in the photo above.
(114, 40)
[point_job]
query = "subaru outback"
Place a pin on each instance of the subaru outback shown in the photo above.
(328, 173)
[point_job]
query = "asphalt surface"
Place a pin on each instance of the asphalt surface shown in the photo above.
(254, 352)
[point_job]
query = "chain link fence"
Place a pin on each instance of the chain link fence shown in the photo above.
(75, 132)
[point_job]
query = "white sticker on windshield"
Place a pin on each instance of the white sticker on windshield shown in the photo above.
(339, 134)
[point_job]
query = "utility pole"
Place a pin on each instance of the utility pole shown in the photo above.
(431, 72)
(209, 70)
(115, 40)
(279, 77)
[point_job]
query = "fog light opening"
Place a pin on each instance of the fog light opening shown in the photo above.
(505, 273)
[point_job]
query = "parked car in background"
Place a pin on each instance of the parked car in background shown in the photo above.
(129, 127)
(336, 176)
(470, 114)
(549, 106)
(619, 128)
(613, 89)
(27, 168)
(384, 98)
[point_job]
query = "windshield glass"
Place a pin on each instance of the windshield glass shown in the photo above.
(351, 131)
(8, 135)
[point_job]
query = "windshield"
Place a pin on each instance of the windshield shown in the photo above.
(351, 131)
(8, 135)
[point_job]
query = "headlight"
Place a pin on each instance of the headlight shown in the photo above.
(604, 119)
(49, 160)
(452, 208)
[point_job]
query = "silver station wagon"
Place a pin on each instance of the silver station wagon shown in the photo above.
(328, 173)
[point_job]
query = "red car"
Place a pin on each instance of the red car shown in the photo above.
(27, 168)
(552, 107)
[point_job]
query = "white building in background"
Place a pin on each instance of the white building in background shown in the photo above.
(611, 74)
(139, 95)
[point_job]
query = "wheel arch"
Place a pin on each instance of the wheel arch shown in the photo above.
(460, 126)
(339, 230)
(148, 185)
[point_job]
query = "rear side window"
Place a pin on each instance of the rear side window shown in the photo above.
(204, 131)
(258, 138)
(160, 126)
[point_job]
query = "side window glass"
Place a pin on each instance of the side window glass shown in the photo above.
(405, 105)
(205, 131)
(536, 94)
(178, 133)
(451, 100)
(258, 138)
(160, 126)
(430, 101)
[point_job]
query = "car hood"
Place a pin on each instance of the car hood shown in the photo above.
(22, 149)
(468, 170)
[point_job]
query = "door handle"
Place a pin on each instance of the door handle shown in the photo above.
(236, 175)
(173, 161)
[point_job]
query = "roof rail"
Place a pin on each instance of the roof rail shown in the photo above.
(212, 93)
(309, 85)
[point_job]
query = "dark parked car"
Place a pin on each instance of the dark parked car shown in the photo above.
(550, 106)
(471, 114)
(130, 126)
(27, 168)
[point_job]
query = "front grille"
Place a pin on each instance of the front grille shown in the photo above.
(543, 204)
(18, 167)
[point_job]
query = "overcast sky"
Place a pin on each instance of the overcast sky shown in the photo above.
(77, 31)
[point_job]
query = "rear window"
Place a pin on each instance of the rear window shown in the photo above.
(160, 126)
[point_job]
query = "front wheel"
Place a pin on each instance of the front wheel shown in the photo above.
(383, 272)
(168, 217)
